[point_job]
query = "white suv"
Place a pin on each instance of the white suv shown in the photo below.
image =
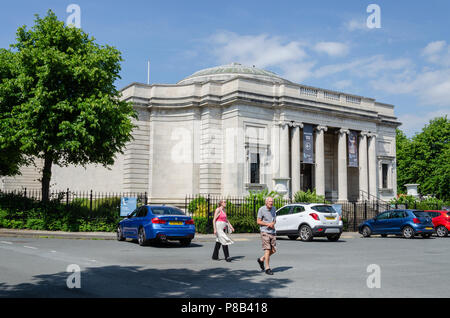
(308, 220)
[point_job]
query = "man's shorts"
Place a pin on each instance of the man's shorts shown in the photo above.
(269, 241)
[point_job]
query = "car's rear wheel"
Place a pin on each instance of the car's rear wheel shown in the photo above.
(334, 237)
(120, 236)
(305, 233)
(441, 231)
(408, 232)
(293, 237)
(142, 240)
(366, 231)
(185, 242)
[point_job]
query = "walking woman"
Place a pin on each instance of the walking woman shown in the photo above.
(221, 224)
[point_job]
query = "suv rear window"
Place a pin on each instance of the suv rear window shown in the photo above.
(323, 208)
(420, 214)
(167, 211)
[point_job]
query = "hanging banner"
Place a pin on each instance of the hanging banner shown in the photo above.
(352, 149)
(308, 142)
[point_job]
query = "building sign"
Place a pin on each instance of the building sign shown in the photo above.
(352, 149)
(308, 139)
(127, 205)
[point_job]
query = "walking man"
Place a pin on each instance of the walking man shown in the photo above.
(266, 220)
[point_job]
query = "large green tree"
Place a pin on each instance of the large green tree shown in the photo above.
(425, 158)
(58, 98)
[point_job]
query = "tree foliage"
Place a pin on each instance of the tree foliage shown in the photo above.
(425, 159)
(58, 98)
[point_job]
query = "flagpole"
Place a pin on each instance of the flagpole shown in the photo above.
(148, 72)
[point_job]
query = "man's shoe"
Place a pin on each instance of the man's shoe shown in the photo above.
(228, 259)
(261, 264)
(269, 271)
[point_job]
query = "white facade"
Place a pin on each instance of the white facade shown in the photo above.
(231, 129)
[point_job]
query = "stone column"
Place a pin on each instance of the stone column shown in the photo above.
(342, 165)
(363, 172)
(295, 157)
(372, 166)
(284, 151)
(282, 180)
(320, 159)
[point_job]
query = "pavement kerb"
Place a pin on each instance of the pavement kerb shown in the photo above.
(112, 235)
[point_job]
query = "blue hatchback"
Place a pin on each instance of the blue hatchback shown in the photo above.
(149, 223)
(407, 223)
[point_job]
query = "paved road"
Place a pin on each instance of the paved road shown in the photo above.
(37, 267)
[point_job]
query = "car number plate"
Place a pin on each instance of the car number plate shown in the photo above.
(428, 228)
(176, 223)
(330, 217)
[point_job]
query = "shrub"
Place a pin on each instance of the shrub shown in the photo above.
(201, 224)
(244, 224)
(194, 204)
(309, 197)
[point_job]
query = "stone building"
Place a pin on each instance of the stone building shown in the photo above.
(229, 129)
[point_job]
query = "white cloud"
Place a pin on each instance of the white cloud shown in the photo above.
(335, 49)
(356, 25)
(260, 50)
(413, 122)
(365, 67)
(437, 52)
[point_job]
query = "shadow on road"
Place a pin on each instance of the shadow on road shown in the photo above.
(138, 282)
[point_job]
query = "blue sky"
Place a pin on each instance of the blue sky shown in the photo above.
(325, 44)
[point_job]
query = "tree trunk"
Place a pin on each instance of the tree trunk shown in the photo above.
(46, 177)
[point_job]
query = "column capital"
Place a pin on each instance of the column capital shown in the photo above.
(320, 128)
(282, 123)
(364, 133)
(372, 135)
(295, 124)
(343, 131)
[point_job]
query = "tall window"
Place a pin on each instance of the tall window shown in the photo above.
(384, 170)
(254, 168)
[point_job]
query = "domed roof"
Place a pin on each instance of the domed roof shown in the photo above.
(226, 72)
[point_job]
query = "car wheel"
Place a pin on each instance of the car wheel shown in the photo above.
(441, 231)
(366, 231)
(334, 238)
(305, 233)
(408, 232)
(185, 242)
(293, 237)
(142, 240)
(120, 236)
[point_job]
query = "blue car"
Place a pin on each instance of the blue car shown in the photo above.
(157, 223)
(407, 223)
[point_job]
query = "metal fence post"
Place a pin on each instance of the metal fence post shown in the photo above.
(208, 201)
(354, 216)
(90, 202)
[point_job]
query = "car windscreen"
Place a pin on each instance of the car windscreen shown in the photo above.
(167, 211)
(323, 208)
(420, 214)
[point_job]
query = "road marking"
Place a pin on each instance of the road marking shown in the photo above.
(52, 251)
(176, 281)
(4, 242)
(30, 247)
